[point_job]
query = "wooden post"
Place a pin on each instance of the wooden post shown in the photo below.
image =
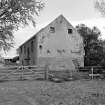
(46, 71)
(21, 77)
(92, 73)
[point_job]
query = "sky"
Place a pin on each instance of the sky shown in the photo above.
(75, 11)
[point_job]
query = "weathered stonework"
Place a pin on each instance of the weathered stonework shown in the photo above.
(58, 43)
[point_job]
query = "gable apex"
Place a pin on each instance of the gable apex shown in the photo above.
(61, 15)
(64, 18)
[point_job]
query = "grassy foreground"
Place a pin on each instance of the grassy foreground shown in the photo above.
(48, 93)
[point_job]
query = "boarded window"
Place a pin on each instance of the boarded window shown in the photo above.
(48, 51)
(40, 47)
(52, 29)
(70, 31)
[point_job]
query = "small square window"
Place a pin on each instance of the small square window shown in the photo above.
(40, 47)
(70, 31)
(52, 29)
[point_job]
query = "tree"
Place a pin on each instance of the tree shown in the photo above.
(14, 14)
(102, 63)
(100, 6)
(92, 45)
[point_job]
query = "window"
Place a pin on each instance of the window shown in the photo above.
(32, 46)
(52, 29)
(48, 51)
(70, 31)
(40, 47)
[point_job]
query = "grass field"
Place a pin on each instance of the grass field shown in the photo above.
(80, 92)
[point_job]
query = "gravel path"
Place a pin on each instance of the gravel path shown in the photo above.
(49, 93)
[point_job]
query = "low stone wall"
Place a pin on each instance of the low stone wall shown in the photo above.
(57, 63)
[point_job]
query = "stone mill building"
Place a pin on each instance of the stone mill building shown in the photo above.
(58, 44)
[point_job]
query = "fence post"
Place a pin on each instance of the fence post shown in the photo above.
(46, 72)
(21, 74)
(92, 73)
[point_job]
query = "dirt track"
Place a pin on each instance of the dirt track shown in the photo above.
(49, 93)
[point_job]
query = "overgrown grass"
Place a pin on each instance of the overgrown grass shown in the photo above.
(79, 92)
